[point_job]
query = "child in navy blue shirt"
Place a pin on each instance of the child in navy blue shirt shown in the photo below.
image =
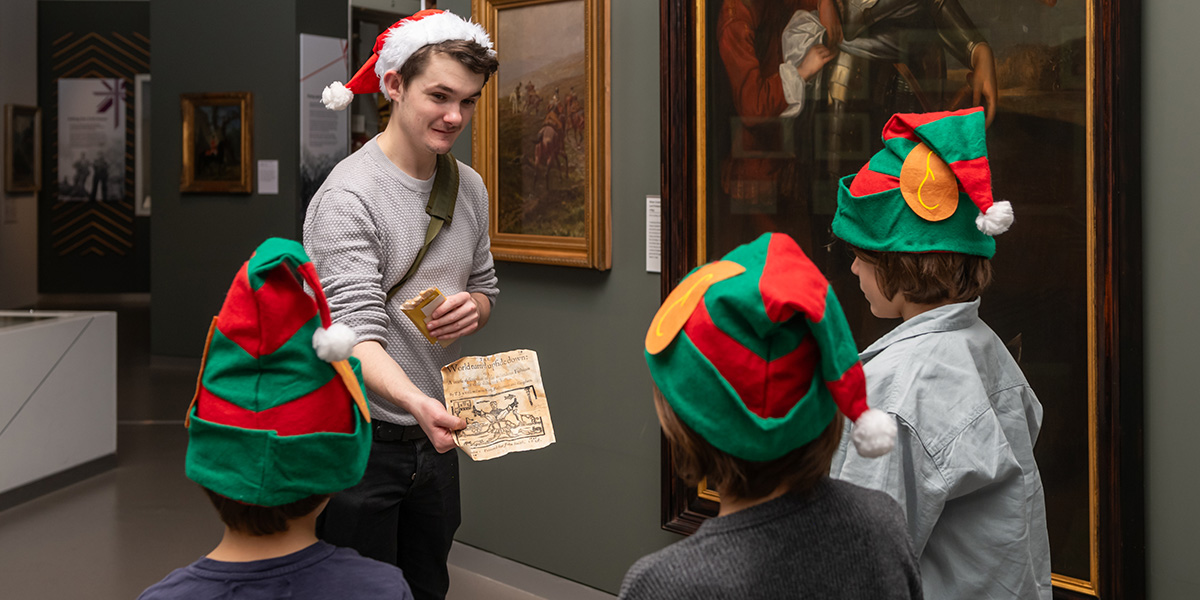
(278, 423)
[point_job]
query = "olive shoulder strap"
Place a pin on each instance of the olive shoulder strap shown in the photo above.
(440, 209)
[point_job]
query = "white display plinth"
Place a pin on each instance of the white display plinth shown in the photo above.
(58, 392)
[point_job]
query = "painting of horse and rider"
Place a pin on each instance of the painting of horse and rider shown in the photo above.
(542, 151)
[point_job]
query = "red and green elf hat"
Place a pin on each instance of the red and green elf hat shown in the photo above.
(279, 412)
(753, 353)
(396, 44)
(928, 190)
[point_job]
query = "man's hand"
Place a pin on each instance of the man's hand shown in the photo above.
(460, 315)
(814, 60)
(384, 377)
(982, 80)
(437, 423)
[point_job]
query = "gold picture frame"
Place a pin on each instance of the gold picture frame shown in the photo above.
(218, 145)
(543, 148)
(22, 149)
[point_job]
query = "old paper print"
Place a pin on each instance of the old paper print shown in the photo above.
(502, 400)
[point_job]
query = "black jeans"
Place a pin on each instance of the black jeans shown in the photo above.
(404, 512)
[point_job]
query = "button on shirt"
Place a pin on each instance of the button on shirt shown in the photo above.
(963, 468)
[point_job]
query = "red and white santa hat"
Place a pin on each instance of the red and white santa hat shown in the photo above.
(394, 46)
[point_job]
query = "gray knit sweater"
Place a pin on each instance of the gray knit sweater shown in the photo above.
(840, 541)
(364, 227)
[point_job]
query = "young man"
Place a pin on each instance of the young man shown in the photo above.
(278, 422)
(921, 220)
(754, 360)
(366, 230)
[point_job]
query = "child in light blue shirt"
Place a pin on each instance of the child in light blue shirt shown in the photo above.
(920, 219)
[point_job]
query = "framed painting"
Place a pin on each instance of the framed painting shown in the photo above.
(218, 146)
(759, 123)
(22, 148)
(541, 135)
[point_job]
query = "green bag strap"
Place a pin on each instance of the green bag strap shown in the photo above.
(440, 209)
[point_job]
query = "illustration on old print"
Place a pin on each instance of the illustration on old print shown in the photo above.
(492, 420)
(502, 400)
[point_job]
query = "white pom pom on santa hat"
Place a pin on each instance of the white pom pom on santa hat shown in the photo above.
(874, 433)
(336, 97)
(996, 220)
(335, 343)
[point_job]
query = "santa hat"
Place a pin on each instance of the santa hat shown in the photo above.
(395, 45)
(754, 354)
(907, 198)
(279, 412)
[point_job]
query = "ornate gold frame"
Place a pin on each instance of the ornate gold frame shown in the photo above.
(594, 250)
(188, 103)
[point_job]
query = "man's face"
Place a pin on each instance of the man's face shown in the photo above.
(435, 107)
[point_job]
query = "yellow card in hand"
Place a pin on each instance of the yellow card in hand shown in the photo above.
(419, 310)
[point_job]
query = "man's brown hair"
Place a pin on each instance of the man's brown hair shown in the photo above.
(695, 460)
(928, 277)
(471, 54)
(261, 520)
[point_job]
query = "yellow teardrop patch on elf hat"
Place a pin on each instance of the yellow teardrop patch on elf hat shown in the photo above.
(929, 186)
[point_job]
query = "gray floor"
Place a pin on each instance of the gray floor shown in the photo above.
(112, 535)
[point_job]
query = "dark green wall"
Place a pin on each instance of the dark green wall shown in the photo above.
(1171, 288)
(200, 240)
(322, 17)
(588, 506)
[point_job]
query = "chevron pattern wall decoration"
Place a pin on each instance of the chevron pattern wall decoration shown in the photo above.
(96, 228)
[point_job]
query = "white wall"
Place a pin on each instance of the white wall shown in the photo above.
(1172, 290)
(18, 85)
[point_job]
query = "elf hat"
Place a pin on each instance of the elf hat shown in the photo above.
(928, 190)
(279, 412)
(754, 355)
(396, 44)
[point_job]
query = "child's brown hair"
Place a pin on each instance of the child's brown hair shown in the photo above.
(695, 460)
(928, 277)
(261, 520)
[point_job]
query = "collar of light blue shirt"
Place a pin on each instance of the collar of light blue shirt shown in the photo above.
(950, 317)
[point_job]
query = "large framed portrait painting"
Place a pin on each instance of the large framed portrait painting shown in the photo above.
(767, 103)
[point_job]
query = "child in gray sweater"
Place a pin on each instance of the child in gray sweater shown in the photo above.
(754, 362)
